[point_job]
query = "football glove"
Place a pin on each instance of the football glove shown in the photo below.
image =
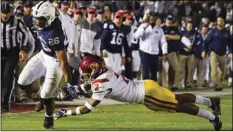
(61, 113)
(71, 90)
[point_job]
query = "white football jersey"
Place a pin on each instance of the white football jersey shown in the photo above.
(117, 87)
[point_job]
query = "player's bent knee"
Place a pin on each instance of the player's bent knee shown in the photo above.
(23, 86)
(23, 81)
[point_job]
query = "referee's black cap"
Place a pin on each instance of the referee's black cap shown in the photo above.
(5, 8)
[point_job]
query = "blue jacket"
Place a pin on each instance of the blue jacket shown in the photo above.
(197, 40)
(173, 45)
(218, 40)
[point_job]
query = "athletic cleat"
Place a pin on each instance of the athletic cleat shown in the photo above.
(217, 123)
(215, 105)
(48, 122)
(61, 113)
(39, 106)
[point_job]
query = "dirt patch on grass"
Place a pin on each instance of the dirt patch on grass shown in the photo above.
(19, 108)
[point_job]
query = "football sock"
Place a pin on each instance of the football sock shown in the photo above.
(69, 112)
(202, 100)
(48, 115)
(206, 114)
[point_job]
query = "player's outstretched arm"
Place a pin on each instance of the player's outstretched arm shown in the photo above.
(61, 56)
(84, 109)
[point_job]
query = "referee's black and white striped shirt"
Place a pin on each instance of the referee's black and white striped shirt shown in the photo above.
(14, 34)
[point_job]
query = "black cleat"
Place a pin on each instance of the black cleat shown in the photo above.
(61, 113)
(39, 106)
(215, 105)
(217, 123)
(48, 122)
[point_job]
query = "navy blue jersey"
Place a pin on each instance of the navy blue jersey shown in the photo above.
(173, 45)
(114, 39)
(52, 38)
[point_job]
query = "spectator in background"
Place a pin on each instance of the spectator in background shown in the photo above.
(67, 22)
(229, 13)
(71, 8)
(128, 71)
(151, 36)
(217, 10)
(77, 16)
(19, 13)
(186, 56)
(199, 62)
(100, 19)
(27, 9)
(73, 49)
(206, 69)
(84, 11)
(90, 34)
(108, 13)
(217, 41)
(114, 45)
(172, 36)
(134, 46)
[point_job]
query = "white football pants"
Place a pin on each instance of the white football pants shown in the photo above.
(136, 60)
(42, 65)
(113, 62)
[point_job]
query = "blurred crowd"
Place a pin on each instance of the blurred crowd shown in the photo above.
(188, 60)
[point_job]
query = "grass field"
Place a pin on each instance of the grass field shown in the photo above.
(120, 117)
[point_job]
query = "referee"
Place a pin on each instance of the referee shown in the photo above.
(14, 37)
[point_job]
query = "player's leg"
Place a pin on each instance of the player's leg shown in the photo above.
(145, 64)
(213, 103)
(135, 64)
(117, 64)
(159, 98)
(52, 79)
(33, 70)
(109, 60)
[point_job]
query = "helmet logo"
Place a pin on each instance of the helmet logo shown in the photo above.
(94, 66)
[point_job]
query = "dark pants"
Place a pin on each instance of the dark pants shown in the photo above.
(149, 65)
(9, 63)
(75, 76)
(128, 70)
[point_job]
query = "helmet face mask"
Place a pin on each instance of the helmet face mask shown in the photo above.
(40, 22)
(88, 76)
(90, 68)
(43, 14)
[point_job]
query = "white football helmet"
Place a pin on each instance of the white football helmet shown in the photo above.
(44, 12)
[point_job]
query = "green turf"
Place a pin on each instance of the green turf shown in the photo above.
(121, 117)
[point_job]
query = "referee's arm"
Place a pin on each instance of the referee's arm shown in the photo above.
(24, 32)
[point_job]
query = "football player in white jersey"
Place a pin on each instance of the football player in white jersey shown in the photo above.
(51, 61)
(106, 83)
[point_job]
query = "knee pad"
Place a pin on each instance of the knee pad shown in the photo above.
(47, 102)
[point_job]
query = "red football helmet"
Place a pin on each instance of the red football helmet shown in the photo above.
(91, 67)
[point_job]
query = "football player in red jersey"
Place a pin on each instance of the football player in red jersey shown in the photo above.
(106, 83)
